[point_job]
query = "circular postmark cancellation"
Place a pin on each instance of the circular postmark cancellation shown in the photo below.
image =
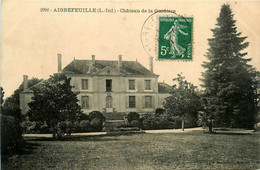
(168, 36)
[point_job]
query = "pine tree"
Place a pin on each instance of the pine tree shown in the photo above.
(228, 80)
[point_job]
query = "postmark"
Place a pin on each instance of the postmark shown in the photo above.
(168, 36)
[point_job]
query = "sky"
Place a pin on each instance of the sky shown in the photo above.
(32, 39)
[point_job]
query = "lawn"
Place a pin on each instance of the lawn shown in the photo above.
(194, 150)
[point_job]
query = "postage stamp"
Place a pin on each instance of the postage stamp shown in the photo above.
(175, 38)
(167, 36)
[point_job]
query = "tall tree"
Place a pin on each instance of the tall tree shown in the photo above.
(228, 80)
(11, 132)
(54, 102)
(256, 86)
(184, 100)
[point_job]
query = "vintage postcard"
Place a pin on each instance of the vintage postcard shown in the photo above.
(130, 84)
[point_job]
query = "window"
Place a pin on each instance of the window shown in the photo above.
(132, 101)
(109, 102)
(147, 84)
(85, 102)
(108, 85)
(131, 84)
(148, 101)
(84, 84)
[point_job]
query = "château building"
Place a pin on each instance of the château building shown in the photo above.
(110, 86)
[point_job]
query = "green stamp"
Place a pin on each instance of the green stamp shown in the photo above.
(175, 38)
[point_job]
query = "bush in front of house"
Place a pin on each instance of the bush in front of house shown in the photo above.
(159, 122)
(134, 119)
(115, 115)
(28, 126)
(136, 123)
(62, 126)
(159, 111)
(83, 117)
(96, 124)
(35, 127)
(164, 121)
(97, 120)
(85, 126)
(96, 114)
(133, 116)
(85, 123)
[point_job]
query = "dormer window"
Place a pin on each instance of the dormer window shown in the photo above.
(84, 84)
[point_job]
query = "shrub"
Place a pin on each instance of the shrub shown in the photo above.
(96, 120)
(69, 124)
(96, 124)
(66, 127)
(133, 116)
(28, 126)
(41, 128)
(160, 122)
(115, 115)
(96, 114)
(159, 111)
(146, 122)
(136, 123)
(62, 125)
(125, 126)
(11, 134)
(76, 126)
(35, 127)
(83, 117)
(85, 126)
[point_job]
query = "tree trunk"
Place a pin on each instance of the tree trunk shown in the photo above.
(53, 131)
(182, 125)
(210, 127)
(255, 127)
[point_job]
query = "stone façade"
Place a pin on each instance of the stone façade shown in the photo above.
(110, 86)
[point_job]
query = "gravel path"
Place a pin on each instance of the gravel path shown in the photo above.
(104, 133)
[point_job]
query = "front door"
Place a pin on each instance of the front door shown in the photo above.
(109, 102)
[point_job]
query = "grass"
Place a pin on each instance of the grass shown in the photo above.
(194, 150)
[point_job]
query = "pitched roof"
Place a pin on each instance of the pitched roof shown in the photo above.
(164, 88)
(29, 90)
(85, 67)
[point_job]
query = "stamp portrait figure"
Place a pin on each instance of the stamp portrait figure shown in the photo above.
(172, 35)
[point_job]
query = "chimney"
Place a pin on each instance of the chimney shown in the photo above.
(93, 60)
(151, 64)
(59, 63)
(25, 82)
(119, 61)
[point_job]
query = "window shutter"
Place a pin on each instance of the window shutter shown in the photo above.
(81, 102)
(127, 101)
(82, 84)
(143, 101)
(90, 101)
(153, 101)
